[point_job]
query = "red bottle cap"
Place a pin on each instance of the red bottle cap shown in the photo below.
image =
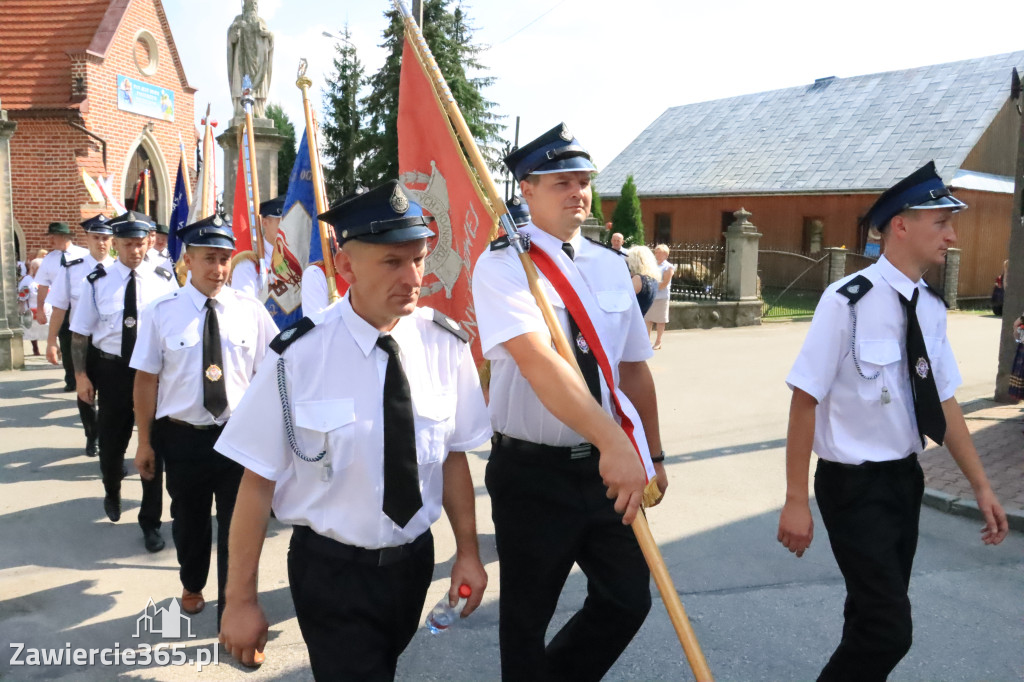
(465, 591)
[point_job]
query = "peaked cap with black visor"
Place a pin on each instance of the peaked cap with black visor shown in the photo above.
(213, 231)
(383, 215)
(921, 190)
(556, 151)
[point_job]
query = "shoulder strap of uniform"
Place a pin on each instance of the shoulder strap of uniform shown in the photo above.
(98, 271)
(937, 295)
(605, 246)
(855, 289)
(69, 263)
(291, 334)
(451, 326)
(500, 243)
(163, 272)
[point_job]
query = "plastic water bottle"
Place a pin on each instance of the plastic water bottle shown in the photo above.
(442, 616)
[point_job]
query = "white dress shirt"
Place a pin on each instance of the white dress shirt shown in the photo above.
(66, 290)
(315, 297)
(50, 268)
(505, 309)
(335, 382)
(853, 423)
(100, 312)
(246, 279)
(170, 344)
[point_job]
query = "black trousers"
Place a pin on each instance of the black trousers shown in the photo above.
(198, 475)
(86, 411)
(115, 420)
(551, 512)
(871, 513)
(64, 341)
(355, 616)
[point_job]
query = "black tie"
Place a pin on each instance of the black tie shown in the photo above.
(130, 320)
(584, 358)
(931, 421)
(401, 473)
(215, 394)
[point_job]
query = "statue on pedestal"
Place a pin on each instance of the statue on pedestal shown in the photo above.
(250, 52)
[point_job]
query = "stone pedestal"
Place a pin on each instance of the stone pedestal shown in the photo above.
(268, 144)
(951, 283)
(741, 247)
(591, 229)
(836, 269)
(12, 349)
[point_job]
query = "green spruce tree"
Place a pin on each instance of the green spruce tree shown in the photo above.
(341, 131)
(449, 35)
(285, 157)
(595, 207)
(627, 218)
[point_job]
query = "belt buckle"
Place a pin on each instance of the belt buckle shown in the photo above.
(581, 451)
(389, 555)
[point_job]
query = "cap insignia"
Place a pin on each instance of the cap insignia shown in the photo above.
(217, 221)
(565, 134)
(399, 202)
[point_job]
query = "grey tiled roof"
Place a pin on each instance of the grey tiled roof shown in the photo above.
(844, 134)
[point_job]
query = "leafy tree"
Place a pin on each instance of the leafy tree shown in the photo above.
(285, 157)
(341, 131)
(627, 218)
(449, 35)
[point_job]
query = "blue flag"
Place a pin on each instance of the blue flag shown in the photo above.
(179, 213)
(298, 243)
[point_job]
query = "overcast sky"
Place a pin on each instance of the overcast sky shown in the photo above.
(608, 69)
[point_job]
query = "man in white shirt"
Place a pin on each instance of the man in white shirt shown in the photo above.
(63, 253)
(198, 349)
(876, 374)
(63, 296)
(112, 305)
(355, 429)
(570, 458)
(245, 277)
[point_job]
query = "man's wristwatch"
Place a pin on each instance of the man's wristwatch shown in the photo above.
(658, 458)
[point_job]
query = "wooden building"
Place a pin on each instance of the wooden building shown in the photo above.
(809, 161)
(94, 86)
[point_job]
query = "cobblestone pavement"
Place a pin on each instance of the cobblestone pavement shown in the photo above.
(998, 433)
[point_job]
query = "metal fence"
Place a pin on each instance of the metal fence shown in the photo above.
(791, 282)
(700, 272)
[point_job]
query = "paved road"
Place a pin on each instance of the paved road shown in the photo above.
(68, 576)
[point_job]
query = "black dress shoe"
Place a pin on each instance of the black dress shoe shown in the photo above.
(92, 447)
(112, 506)
(154, 541)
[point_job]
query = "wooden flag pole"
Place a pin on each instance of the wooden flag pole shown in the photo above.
(659, 571)
(252, 182)
(319, 193)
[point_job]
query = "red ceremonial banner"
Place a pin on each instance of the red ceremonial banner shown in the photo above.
(435, 172)
(240, 211)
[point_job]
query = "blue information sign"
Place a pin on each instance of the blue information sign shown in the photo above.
(143, 98)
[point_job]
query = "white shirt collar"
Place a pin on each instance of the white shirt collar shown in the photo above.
(364, 333)
(549, 241)
(120, 269)
(896, 279)
(198, 298)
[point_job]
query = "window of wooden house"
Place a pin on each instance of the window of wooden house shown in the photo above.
(662, 228)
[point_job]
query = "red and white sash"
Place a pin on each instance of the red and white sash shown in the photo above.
(575, 307)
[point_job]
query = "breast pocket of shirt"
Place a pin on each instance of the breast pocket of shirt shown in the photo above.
(181, 342)
(435, 421)
(110, 312)
(877, 357)
(242, 347)
(326, 425)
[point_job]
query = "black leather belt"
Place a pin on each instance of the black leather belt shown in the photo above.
(198, 427)
(581, 451)
(908, 461)
(110, 356)
(332, 549)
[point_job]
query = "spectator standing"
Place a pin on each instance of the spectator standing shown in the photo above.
(645, 272)
(657, 316)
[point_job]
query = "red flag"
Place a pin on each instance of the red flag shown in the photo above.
(432, 167)
(240, 211)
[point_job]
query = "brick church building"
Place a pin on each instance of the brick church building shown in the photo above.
(94, 86)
